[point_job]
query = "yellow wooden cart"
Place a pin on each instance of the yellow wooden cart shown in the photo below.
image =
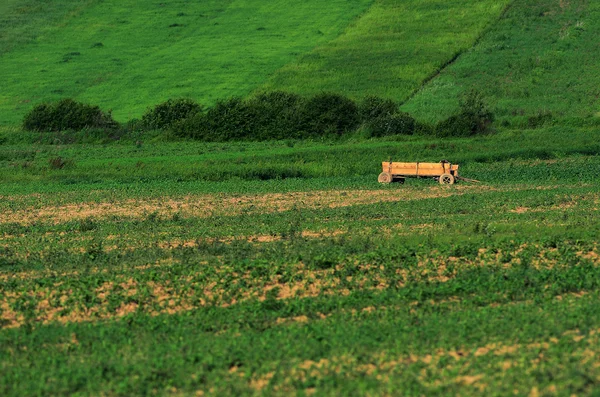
(445, 172)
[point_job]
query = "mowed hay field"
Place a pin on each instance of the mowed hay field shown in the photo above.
(323, 283)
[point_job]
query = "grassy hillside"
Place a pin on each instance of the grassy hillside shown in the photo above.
(538, 60)
(127, 55)
(24, 21)
(542, 58)
(392, 49)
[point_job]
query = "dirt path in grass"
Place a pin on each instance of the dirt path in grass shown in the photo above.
(200, 206)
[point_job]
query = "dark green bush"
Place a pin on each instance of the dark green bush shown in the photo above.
(283, 115)
(328, 114)
(456, 125)
(422, 128)
(133, 125)
(192, 127)
(373, 107)
(163, 115)
(274, 115)
(271, 115)
(227, 120)
(67, 114)
(392, 124)
(473, 118)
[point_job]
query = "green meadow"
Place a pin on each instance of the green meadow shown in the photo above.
(539, 60)
(391, 50)
(127, 56)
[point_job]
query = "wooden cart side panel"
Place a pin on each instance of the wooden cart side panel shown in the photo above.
(414, 169)
(414, 172)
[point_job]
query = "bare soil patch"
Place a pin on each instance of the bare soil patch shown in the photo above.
(200, 206)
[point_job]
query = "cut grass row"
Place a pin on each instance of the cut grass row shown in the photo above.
(190, 282)
(361, 235)
(232, 219)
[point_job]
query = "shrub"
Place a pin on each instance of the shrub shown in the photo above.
(422, 128)
(473, 118)
(283, 115)
(227, 120)
(67, 114)
(191, 127)
(328, 114)
(271, 115)
(274, 115)
(163, 115)
(392, 124)
(373, 107)
(456, 125)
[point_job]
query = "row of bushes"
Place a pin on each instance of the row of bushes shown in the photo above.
(67, 114)
(270, 115)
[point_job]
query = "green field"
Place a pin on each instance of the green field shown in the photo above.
(127, 56)
(178, 268)
(541, 58)
(391, 50)
(139, 264)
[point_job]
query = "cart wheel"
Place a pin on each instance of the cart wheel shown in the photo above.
(384, 177)
(447, 179)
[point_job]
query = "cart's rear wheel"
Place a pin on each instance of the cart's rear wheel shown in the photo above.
(384, 177)
(447, 179)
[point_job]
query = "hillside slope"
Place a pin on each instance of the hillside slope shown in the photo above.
(127, 55)
(392, 49)
(540, 61)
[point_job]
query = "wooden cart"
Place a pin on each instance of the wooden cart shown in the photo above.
(445, 172)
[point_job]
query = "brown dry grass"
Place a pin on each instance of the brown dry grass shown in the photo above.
(200, 206)
(437, 370)
(53, 304)
(168, 298)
